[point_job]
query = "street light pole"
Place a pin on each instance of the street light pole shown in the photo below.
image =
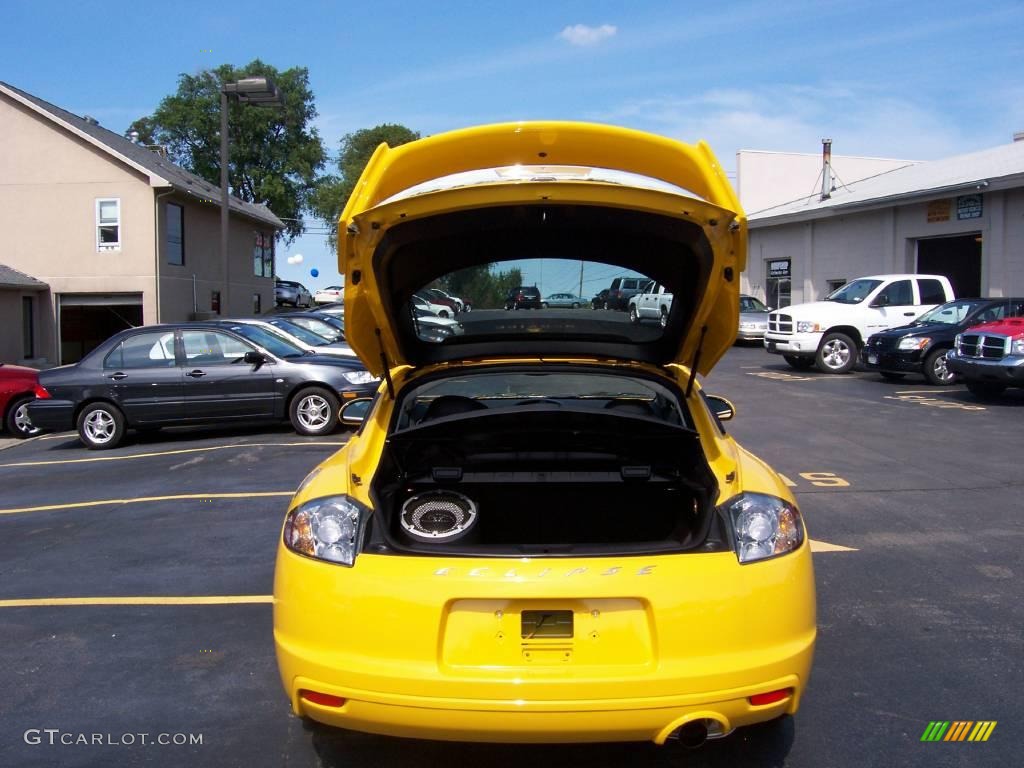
(260, 91)
(225, 203)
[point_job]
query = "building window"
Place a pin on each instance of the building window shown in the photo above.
(834, 285)
(777, 283)
(28, 327)
(215, 302)
(263, 255)
(108, 224)
(257, 303)
(175, 235)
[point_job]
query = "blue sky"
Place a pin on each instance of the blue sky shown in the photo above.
(915, 80)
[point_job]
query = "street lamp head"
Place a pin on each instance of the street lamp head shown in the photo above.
(254, 90)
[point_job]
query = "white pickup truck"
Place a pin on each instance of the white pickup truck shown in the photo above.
(830, 333)
(653, 303)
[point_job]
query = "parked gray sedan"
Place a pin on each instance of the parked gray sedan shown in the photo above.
(753, 319)
(192, 373)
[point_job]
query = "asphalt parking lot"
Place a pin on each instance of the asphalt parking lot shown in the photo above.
(135, 596)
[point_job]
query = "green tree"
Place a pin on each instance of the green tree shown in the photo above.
(275, 154)
(329, 199)
(482, 285)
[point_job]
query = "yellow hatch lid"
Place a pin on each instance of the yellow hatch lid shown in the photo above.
(613, 243)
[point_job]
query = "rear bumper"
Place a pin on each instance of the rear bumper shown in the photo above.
(52, 415)
(1009, 370)
(522, 721)
(431, 647)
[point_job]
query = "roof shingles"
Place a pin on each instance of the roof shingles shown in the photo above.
(153, 163)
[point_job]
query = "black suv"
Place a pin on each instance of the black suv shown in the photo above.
(523, 297)
(623, 289)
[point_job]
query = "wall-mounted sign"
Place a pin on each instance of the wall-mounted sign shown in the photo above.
(968, 207)
(778, 268)
(938, 210)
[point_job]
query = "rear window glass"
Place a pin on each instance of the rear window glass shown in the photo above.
(143, 350)
(498, 310)
(931, 291)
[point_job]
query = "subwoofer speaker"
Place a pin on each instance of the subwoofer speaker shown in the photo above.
(438, 516)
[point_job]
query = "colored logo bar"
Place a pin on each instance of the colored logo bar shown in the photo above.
(958, 730)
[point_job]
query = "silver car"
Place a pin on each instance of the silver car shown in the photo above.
(290, 292)
(564, 300)
(753, 319)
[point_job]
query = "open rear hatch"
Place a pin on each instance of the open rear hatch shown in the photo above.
(588, 203)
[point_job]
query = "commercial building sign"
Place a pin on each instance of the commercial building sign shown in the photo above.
(778, 268)
(938, 210)
(968, 207)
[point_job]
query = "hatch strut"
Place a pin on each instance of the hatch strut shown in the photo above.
(387, 368)
(696, 361)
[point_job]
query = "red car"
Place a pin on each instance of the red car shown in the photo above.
(17, 389)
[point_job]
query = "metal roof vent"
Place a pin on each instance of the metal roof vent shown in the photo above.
(90, 120)
(1018, 136)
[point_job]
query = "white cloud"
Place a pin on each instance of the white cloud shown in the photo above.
(860, 119)
(582, 35)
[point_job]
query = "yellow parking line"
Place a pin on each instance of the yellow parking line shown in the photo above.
(824, 546)
(177, 497)
(199, 600)
(163, 453)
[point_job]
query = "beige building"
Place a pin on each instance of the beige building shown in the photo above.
(113, 235)
(962, 217)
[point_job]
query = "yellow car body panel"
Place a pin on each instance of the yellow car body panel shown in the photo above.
(435, 646)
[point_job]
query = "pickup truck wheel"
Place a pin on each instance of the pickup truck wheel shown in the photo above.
(837, 354)
(985, 389)
(935, 369)
(663, 319)
(605, 306)
(633, 316)
(799, 363)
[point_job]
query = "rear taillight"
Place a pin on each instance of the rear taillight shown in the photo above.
(760, 699)
(41, 393)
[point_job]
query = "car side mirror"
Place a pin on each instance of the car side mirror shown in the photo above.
(721, 407)
(252, 357)
(354, 412)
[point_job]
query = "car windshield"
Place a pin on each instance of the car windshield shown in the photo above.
(855, 292)
(750, 304)
(320, 327)
(302, 334)
(952, 313)
(270, 341)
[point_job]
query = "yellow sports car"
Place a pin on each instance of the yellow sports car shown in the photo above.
(541, 531)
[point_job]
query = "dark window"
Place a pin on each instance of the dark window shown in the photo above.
(28, 326)
(257, 303)
(215, 302)
(143, 350)
(898, 294)
(175, 234)
(212, 348)
(931, 292)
